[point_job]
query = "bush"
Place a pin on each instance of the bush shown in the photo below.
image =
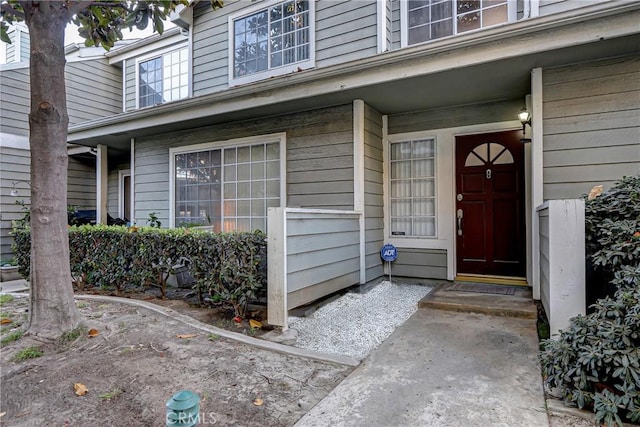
(595, 363)
(229, 268)
(611, 220)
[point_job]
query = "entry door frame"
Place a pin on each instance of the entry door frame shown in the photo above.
(480, 129)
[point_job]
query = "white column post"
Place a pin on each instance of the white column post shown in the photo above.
(102, 176)
(277, 288)
(537, 196)
(358, 179)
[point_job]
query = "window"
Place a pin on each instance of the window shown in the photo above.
(228, 188)
(271, 41)
(164, 78)
(413, 198)
(432, 19)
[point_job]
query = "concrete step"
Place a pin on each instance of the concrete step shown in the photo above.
(476, 300)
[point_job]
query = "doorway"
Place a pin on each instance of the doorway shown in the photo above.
(490, 208)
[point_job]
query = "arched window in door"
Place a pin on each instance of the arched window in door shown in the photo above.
(489, 152)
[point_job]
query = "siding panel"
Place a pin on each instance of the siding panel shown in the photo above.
(312, 132)
(422, 263)
(592, 125)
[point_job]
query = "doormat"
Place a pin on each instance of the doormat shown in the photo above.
(480, 289)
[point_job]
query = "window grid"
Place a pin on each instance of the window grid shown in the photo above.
(271, 38)
(412, 188)
(433, 19)
(164, 79)
(235, 186)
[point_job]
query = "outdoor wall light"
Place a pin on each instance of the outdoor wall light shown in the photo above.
(14, 190)
(525, 118)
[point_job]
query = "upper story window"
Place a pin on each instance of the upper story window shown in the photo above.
(271, 40)
(432, 19)
(163, 78)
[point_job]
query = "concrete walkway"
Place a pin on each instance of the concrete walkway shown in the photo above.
(443, 368)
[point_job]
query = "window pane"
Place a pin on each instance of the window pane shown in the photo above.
(495, 15)
(244, 154)
(412, 188)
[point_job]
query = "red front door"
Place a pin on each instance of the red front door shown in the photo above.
(490, 225)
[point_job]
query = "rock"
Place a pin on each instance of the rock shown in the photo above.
(287, 337)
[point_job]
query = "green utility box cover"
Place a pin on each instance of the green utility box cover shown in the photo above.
(183, 409)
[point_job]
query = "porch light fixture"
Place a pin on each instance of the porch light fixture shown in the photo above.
(525, 118)
(14, 189)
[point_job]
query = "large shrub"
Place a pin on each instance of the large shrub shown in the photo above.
(595, 363)
(610, 219)
(229, 268)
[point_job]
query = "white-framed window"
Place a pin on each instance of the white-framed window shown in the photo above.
(425, 20)
(412, 185)
(271, 40)
(228, 186)
(163, 78)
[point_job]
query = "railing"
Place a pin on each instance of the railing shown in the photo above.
(311, 253)
(562, 260)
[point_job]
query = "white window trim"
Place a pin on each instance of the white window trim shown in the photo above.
(287, 69)
(404, 137)
(512, 15)
(156, 54)
(280, 138)
(122, 174)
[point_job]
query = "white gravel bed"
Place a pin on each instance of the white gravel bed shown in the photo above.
(355, 324)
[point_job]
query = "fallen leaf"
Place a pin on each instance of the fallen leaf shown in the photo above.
(5, 321)
(237, 319)
(255, 324)
(186, 335)
(258, 402)
(2, 414)
(93, 333)
(595, 192)
(80, 389)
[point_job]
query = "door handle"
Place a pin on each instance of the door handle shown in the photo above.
(459, 215)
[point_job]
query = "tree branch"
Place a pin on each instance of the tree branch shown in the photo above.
(9, 10)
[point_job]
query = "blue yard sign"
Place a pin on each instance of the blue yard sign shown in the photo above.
(389, 252)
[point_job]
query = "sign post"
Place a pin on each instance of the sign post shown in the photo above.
(389, 253)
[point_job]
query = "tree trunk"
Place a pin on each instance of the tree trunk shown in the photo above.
(53, 310)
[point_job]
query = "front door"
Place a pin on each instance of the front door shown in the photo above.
(490, 225)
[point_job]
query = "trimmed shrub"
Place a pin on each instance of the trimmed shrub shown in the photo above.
(229, 268)
(595, 363)
(610, 220)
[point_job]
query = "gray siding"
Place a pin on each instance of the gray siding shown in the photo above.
(591, 125)
(25, 51)
(15, 165)
(545, 284)
(442, 118)
(81, 184)
(319, 160)
(130, 84)
(323, 255)
(345, 30)
(94, 89)
(113, 188)
(373, 193)
(14, 108)
(395, 25)
(548, 7)
(422, 263)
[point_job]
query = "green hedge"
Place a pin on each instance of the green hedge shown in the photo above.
(229, 268)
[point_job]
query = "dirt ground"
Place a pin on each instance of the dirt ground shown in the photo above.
(138, 361)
